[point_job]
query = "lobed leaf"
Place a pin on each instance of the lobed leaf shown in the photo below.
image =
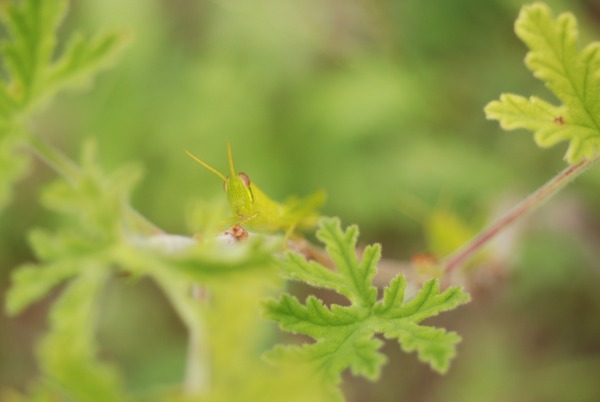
(32, 26)
(344, 335)
(35, 72)
(572, 75)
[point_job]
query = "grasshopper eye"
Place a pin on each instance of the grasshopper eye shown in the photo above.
(244, 178)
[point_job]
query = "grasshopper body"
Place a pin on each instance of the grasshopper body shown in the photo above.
(253, 208)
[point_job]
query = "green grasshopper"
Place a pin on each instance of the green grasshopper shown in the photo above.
(254, 209)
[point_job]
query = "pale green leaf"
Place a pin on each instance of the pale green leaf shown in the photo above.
(68, 352)
(30, 283)
(572, 75)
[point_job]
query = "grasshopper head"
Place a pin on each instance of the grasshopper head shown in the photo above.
(238, 189)
(237, 186)
(239, 194)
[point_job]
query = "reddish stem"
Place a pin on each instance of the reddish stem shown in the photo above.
(461, 256)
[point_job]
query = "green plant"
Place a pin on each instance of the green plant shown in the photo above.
(102, 235)
(222, 289)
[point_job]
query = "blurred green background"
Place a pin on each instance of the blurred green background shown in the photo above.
(379, 102)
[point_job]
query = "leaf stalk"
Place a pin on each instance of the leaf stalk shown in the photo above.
(537, 198)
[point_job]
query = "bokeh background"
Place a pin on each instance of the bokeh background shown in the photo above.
(380, 103)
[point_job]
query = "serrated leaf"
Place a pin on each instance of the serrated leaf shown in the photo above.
(297, 267)
(35, 71)
(433, 345)
(573, 77)
(393, 295)
(83, 58)
(354, 275)
(344, 335)
(32, 26)
(428, 302)
(310, 318)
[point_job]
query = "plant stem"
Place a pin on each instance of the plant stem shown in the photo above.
(197, 372)
(72, 173)
(192, 313)
(537, 198)
(55, 159)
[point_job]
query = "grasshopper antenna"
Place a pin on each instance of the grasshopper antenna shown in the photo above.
(206, 165)
(231, 169)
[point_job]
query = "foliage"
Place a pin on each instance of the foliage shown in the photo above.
(95, 243)
(344, 334)
(340, 105)
(35, 72)
(573, 77)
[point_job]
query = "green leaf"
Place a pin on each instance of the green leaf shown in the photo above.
(96, 240)
(433, 345)
(572, 75)
(429, 298)
(30, 283)
(344, 334)
(83, 58)
(68, 352)
(32, 26)
(35, 71)
(94, 207)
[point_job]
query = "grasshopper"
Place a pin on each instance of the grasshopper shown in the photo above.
(253, 208)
